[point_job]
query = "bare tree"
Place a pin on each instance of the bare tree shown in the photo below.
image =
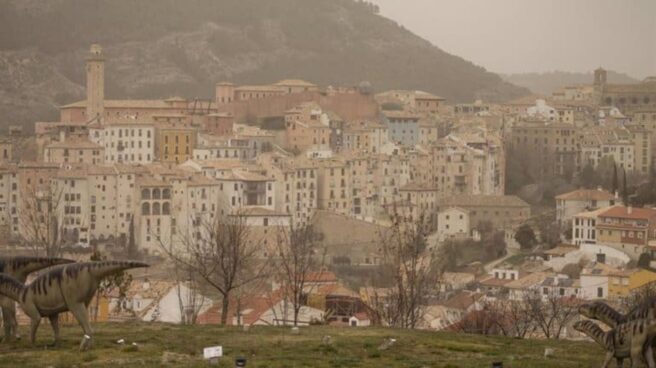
(550, 311)
(411, 268)
(222, 252)
(299, 256)
(517, 313)
(192, 302)
(40, 218)
(643, 298)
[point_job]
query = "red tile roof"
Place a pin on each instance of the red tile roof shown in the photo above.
(629, 213)
(587, 195)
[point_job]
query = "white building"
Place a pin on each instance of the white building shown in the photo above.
(570, 204)
(594, 281)
(453, 223)
(126, 142)
(543, 111)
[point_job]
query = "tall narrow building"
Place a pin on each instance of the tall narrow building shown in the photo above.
(95, 83)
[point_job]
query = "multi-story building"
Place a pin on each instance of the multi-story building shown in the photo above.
(627, 229)
(365, 136)
(307, 126)
(6, 150)
(628, 97)
(81, 151)
(403, 127)
(125, 142)
(501, 211)
(333, 184)
(174, 143)
(572, 203)
(550, 148)
(296, 185)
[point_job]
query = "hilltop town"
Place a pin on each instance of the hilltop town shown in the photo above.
(528, 206)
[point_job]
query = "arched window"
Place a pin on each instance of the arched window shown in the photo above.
(645, 100)
(166, 208)
(166, 193)
(156, 211)
(634, 100)
(145, 209)
(145, 194)
(609, 101)
(156, 194)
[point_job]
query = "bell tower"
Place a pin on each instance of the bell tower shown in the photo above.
(95, 83)
(600, 76)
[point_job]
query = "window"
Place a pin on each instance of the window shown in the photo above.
(156, 208)
(600, 292)
(145, 209)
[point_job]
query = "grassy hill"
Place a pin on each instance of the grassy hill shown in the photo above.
(159, 48)
(276, 347)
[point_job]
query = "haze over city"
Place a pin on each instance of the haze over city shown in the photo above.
(327, 183)
(519, 36)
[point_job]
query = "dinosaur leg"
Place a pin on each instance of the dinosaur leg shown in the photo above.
(82, 315)
(33, 327)
(6, 323)
(649, 353)
(13, 323)
(54, 323)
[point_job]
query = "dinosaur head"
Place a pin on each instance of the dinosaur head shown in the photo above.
(601, 311)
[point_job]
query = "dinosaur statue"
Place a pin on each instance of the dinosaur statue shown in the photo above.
(627, 340)
(601, 311)
(19, 268)
(64, 288)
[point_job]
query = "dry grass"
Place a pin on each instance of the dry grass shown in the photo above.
(277, 347)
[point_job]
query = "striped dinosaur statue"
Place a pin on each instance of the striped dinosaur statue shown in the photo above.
(19, 268)
(601, 311)
(627, 340)
(64, 288)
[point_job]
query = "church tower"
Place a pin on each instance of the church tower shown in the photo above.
(95, 83)
(600, 76)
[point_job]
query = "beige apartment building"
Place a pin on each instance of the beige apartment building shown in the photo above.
(501, 211)
(81, 151)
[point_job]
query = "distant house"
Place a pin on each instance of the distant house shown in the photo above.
(162, 301)
(595, 280)
(360, 319)
(526, 283)
(453, 223)
(580, 200)
(266, 308)
(501, 211)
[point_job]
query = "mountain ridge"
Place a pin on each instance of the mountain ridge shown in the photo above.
(546, 83)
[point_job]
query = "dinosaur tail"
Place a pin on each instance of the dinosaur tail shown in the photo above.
(107, 268)
(11, 288)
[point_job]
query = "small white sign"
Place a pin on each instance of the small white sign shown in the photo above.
(213, 352)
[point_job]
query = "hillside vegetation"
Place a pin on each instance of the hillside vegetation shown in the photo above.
(181, 346)
(159, 48)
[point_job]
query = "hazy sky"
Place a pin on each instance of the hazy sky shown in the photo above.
(509, 36)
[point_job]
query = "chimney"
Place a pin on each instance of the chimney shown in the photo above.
(62, 135)
(629, 210)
